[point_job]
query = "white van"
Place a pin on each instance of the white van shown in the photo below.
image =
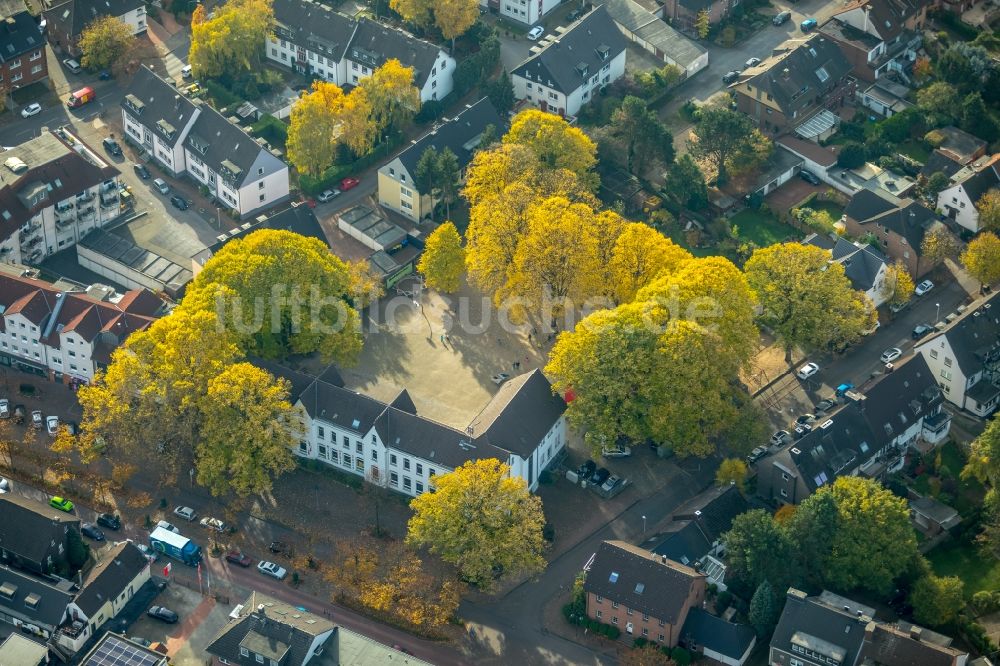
(186, 72)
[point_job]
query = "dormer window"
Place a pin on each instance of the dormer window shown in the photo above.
(603, 51)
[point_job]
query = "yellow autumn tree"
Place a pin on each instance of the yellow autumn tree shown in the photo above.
(313, 128)
(556, 143)
(104, 42)
(451, 17)
(443, 259)
(481, 520)
(230, 42)
(982, 258)
(732, 471)
(391, 96)
(640, 255)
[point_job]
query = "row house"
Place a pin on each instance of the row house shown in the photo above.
(568, 70)
(867, 436)
(67, 335)
(314, 40)
(398, 188)
(66, 21)
(188, 137)
(965, 358)
(22, 59)
(53, 191)
(524, 426)
(878, 36)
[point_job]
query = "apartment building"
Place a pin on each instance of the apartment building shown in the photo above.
(66, 21)
(22, 59)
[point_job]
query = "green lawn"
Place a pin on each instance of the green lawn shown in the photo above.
(915, 149)
(830, 207)
(762, 229)
(964, 560)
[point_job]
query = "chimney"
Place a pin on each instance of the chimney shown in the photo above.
(10, 23)
(915, 632)
(785, 73)
(869, 631)
(663, 559)
(177, 101)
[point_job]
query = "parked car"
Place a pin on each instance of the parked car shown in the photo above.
(163, 614)
(805, 418)
(921, 330)
(167, 526)
(617, 451)
(144, 642)
(72, 65)
(213, 524)
(809, 177)
(779, 437)
(807, 371)
(150, 554)
(31, 110)
(71, 427)
(755, 455)
(600, 476)
(923, 287)
(4, 408)
(236, 557)
(826, 405)
(610, 483)
(586, 470)
(348, 183)
(328, 195)
(278, 547)
(37, 420)
(4, 485)
(109, 520)
(186, 72)
(104, 75)
(535, 33)
(890, 355)
(185, 512)
(271, 569)
(161, 185)
(574, 15)
(752, 62)
(52, 425)
(19, 413)
(500, 378)
(91, 531)
(731, 76)
(141, 171)
(112, 146)
(781, 18)
(178, 202)
(843, 388)
(808, 25)
(61, 503)
(801, 430)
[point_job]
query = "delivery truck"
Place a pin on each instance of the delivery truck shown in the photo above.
(80, 97)
(174, 545)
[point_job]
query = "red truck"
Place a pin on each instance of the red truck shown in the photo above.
(80, 97)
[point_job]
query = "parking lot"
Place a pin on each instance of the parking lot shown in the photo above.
(200, 620)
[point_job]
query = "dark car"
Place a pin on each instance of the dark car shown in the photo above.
(755, 455)
(104, 75)
(109, 520)
(805, 418)
(144, 642)
(779, 437)
(112, 146)
(278, 547)
(802, 430)
(809, 177)
(586, 470)
(600, 476)
(729, 77)
(922, 330)
(94, 533)
(178, 202)
(574, 15)
(826, 405)
(161, 613)
(236, 557)
(142, 171)
(19, 413)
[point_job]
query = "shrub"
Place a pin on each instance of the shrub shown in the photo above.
(986, 601)
(220, 96)
(724, 600)
(272, 130)
(681, 656)
(852, 155)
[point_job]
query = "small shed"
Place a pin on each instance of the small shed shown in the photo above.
(932, 516)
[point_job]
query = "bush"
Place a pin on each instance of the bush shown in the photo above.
(220, 96)
(724, 600)
(852, 155)
(431, 110)
(986, 601)
(272, 130)
(311, 185)
(681, 656)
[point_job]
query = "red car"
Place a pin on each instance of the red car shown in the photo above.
(236, 557)
(348, 183)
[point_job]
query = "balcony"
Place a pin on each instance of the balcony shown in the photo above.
(84, 197)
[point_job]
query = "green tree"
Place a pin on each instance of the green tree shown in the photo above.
(936, 101)
(764, 610)
(759, 551)
(644, 136)
(229, 43)
(806, 299)
(898, 287)
(936, 600)
(104, 42)
(938, 181)
(686, 183)
(448, 175)
(982, 258)
(984, 462)
(977, 119)
(809, 527)
(703, 24)
(481, 520)
(722, 134)
(989, 210)
(443, 260)
(852, 155)
(732, 471)
(501, 93)
(77, 551)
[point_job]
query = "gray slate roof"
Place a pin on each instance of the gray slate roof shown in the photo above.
(373, 43)
(824, 628)
(153, 102)
(459, 134)
(813, 65)
(974, 339)
(682, 541)
(861, 264)
(28, 526)
(73, 16)
(703, 629)
(52, 598)
(638, 20)
(905, 217)
(314, 25)
(900, 398)
(430, 440)
(560, 65)
(220, 143)
(118, 567)
(940, 162)
(714, 510)
(641, 581)
(828, 452)
(341, 407)
(894, 646)
(520, 414)
(980, 182)
(19, 35)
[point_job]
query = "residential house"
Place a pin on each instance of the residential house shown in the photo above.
(968, 184)
(35, 605)
(33, 535)
(643, 594)
(67, 21)
(961, 146)
(816, 159)
(885, 97)
(725, 642)
(780, 167)
(113, 648)
(527, 12)
(932, 516)
(965, 358)
(864, 266)
(67, 333)
(54, 190)
(941, 161)
(878, 36)
(315, 40)
(398, 189)
(188, 137)
(22, 651)
(905, 644)
(22, 59)
(263, 630)
(794, 87)
(867, 436)
(684, 13)
(645, 28)
(896, 226)
(566, 71)
(523, 426)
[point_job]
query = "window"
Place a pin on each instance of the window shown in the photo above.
(19, 76)
(260, 185)
(934, 353)
(614, 604)
(406, 483)
(259, 658)
(420, 468)
(36, 55)
(784, 493)
(392, 458)
(645, 631)
(262, 197)
(645, 617)
(947, 362)
(660, 638)
(322, 451)
(406, 463)
(244, 652)
(320, 432)
(599, 598)
(36, 69)
(375, 456)
(614, 620)
(334, 456)
(660, 623)
(15, 63)
(420, 487)
(405, 191)
(430, 472)
(274, 51)
(784, 477)
(628, 611)
(599, 614)
(359, 464)
(359, 447)
(347, 460)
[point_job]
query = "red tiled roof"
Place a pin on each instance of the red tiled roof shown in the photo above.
(33, 306)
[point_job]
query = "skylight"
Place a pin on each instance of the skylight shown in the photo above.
(822, 75)
(613, 578)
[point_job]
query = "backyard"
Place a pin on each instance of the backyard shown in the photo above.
(964, 559)
(761, 228)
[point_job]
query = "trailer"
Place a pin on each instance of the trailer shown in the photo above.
(174, 545)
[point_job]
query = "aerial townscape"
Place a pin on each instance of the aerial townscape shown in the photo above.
(500, 332)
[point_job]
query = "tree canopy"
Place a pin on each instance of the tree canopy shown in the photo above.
(442, 262)
(646, 139)
(105, 42)
(721, 135)
(988, 207)
(982, 258)
(230, 41)
(937, 600)
(556, 143)
(898, 284)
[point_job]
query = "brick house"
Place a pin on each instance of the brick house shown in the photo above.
(66, 21)
(878, 36)
(641, 593)
(22, 60)
(683, 14)
(899, 226)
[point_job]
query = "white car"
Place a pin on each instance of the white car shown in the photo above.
(185, 512)
(328, 195)
(4, 485)
(608, 485)
(752, 62)
(4, 408)
(807, 371)
(72, 65)
(150, 554)
(32, 109)
(162, 186)
(186, 72)
(52, 425)
(213, 524)
(923, 287)
(535, 32)
(500, 378)
(167, 526)
(890, 355)
(271, 569)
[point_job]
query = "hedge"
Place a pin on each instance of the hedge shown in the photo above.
(311, 185)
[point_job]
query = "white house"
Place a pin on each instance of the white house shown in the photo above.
(958, 201)
(965, 358)
(566, 71)
(522, 11)
(53, 191)
(189, 137)
(865, 267)
(523, 426)
(313, 39)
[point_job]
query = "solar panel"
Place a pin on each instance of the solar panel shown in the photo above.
(113, 651)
